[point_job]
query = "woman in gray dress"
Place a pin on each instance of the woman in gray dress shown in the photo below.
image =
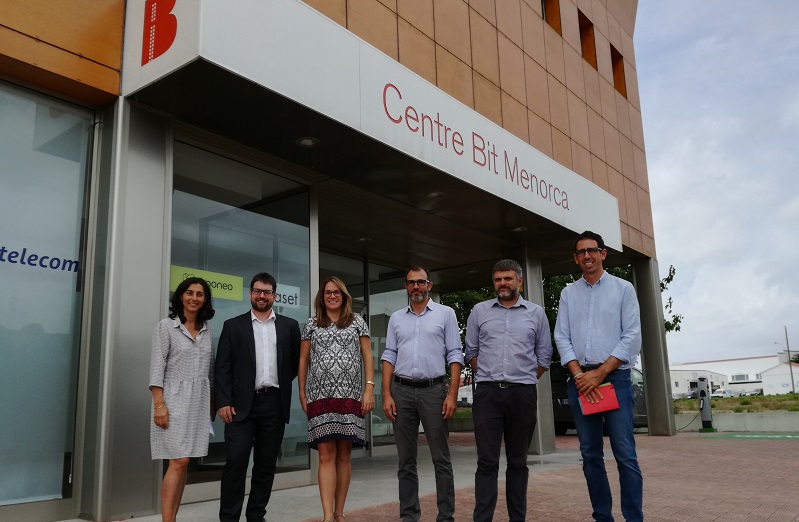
(335, 352)
(181, 376)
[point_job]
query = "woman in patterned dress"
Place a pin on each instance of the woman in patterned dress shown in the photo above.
(335, 344)
(181, 376)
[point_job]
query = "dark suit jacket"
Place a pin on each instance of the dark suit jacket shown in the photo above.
(234, 371)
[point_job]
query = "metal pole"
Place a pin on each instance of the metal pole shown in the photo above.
(790, 363)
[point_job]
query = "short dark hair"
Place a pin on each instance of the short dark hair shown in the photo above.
(265, 278)
(591, 235)
(507, 264)
(417, 268)
(206, 312)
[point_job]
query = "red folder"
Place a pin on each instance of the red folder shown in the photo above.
(608, 402)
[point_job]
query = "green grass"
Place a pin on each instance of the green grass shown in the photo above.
(789, 402)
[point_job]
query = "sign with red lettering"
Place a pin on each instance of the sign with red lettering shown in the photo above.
(160, 28)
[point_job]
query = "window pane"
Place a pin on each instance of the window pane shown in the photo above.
(234, 220)
(43, 146)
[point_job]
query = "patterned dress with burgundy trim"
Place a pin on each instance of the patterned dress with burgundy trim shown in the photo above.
(334, 387)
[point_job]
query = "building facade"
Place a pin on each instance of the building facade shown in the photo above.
(151, 139)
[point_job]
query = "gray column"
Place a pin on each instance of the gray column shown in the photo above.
(119, 478)
(654, 355)
(544, 435)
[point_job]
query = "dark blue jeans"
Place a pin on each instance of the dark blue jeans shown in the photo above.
(620, 432)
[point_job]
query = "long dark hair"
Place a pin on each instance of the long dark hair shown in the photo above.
(205, 313)
(346, 317)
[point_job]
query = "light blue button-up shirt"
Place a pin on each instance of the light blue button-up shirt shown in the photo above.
(422, 346)
(599, 321)
(509, 343)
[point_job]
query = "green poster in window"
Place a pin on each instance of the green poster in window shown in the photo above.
(223, 286)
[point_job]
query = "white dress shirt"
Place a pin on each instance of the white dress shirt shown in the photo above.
(265, 351)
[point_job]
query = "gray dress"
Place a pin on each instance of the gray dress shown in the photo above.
(184, 368)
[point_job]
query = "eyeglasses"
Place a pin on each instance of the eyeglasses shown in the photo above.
(257, 291)
(417, 282)
(336, 293)
(583, 251)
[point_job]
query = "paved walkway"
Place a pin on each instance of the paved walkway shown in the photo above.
(689, 477)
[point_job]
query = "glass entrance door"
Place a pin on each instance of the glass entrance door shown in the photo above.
(230, 221)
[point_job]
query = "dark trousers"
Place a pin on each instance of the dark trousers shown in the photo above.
(498, 412)
(262, 429)
(423, 405)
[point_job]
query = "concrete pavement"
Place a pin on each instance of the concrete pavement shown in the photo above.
(692, 476)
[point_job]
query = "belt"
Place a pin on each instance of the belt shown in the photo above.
(420, 383)
(589, 367)
(502, 384)
(264, 391)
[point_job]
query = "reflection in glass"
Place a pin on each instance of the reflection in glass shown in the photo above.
(236, 220)
(43, 146)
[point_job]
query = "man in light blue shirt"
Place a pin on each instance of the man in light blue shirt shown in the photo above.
(508, 346)
(422, 340)
(598, 335)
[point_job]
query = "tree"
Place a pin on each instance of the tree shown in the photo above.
(463, 302)
(672, 319)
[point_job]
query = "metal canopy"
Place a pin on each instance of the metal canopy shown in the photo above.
(374, 202)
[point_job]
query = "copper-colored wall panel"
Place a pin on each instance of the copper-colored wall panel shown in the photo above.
(554, 49)
(486, 8)
(485, 55)
(454, 76)
(599, 172)
(88, 28)
(561, 148)
(73, 48)
(558, 104)
(533, 35)
(514, 117)
(375, 23)
(627, 158)
(418, 13)
(596, 134)
(336, 10)
(569, 24)
(452, 28)
(623, 115)
(487, 99)
(540, 133)
(574, 71)
(537, 88)
(511, 69)
(612, 147)
(581, 161)
(509, 20)
(578, 119)
(417, 52)
(616, 188)
(631, 200)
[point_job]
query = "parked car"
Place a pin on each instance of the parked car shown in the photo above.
(560, 399)
(724, 393)
(754, 393)
(693, 394)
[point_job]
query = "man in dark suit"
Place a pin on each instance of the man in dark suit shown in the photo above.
(256, 361)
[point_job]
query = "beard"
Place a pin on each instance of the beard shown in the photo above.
(260, 307)
(507, 294)
(419, 298)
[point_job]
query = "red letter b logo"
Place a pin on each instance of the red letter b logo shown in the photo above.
(160, 28)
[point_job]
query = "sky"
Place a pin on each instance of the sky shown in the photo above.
(719, 87)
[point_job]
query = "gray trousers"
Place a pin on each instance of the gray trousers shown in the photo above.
(425, 405)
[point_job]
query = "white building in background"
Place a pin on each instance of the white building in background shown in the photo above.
(778, 380)
(686, 381)
(740, 375)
